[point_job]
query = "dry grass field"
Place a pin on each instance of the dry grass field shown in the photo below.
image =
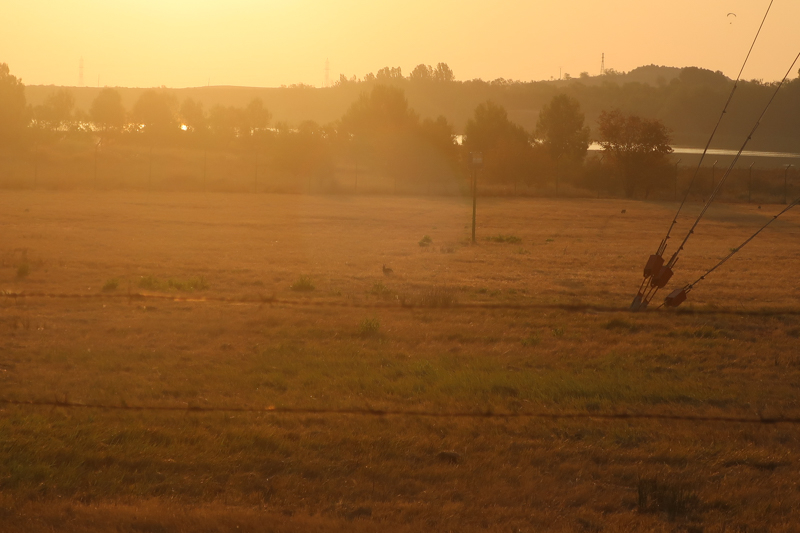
(731, 350)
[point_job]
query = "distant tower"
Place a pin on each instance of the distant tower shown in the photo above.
(603, 64)
(327, 73)
(80, 73)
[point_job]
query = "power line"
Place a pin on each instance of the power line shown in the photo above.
(403, 413)
(678, 296)
(655, 264)
(660, 278)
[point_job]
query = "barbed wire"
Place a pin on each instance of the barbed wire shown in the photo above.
(272, 300)
(389, 305)
(413, 413)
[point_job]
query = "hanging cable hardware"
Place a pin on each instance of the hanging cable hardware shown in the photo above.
(654, 265)
(678, 296)
(660, 279)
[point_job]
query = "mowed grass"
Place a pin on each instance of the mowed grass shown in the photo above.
(731, 351)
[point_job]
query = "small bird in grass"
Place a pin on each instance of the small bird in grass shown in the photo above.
(387, 271)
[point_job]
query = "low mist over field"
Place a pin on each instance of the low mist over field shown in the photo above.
(304, 266)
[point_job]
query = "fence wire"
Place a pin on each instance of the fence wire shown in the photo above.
(761, 420)
(387, 305)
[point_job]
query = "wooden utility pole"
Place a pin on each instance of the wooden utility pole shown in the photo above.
(476, 162)
(36, 165)
(96, 149)
(205, 153)
(150, 171)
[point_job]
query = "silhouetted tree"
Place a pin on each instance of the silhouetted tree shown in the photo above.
(384, 109)
(421, 73)
(638, 147)
(443, 73)
(256, 117)
(56, 112)
(193, 116)
(428, 73)
(107, 111)
(381, 127)
(560, 129)
(389, 74)
(156, 111)
(506, 146)
(225, 123)
(14, 115)
(384, 133)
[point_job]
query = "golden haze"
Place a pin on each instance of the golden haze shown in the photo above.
(269, 43)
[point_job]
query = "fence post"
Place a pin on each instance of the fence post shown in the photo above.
(785, 182)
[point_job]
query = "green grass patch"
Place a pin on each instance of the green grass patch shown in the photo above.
(508, 239)
(110, 285)
(23, 270)
(303, 284)
(369, 327)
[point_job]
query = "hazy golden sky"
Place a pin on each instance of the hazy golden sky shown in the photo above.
(184, 43)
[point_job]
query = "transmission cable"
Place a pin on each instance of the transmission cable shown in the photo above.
(660, 278)
(655, 262)
(674, 257)
(663, 245)
(677, 296)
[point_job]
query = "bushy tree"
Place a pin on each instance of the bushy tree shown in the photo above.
(639, 148)
(14, 115)
(56, 112)
(389, 74)
(386, 134)
(443, 73)
(157, 112)
(505, 145)
(382, 110)
(107, 111)
(421, 73)
(560, 129)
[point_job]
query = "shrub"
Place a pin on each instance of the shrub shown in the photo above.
(425, 241)
(303, 284)
(150, 283)
(369, 327)
(191, 284)
(110, 285)
(381, 290)
(23, 270)
(438, 297)
(674, 499)
(531, 340)
(621, 324)
(511, 239)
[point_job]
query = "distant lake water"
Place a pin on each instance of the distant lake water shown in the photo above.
(713, 151)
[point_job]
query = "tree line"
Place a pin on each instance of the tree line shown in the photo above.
(379, 134)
